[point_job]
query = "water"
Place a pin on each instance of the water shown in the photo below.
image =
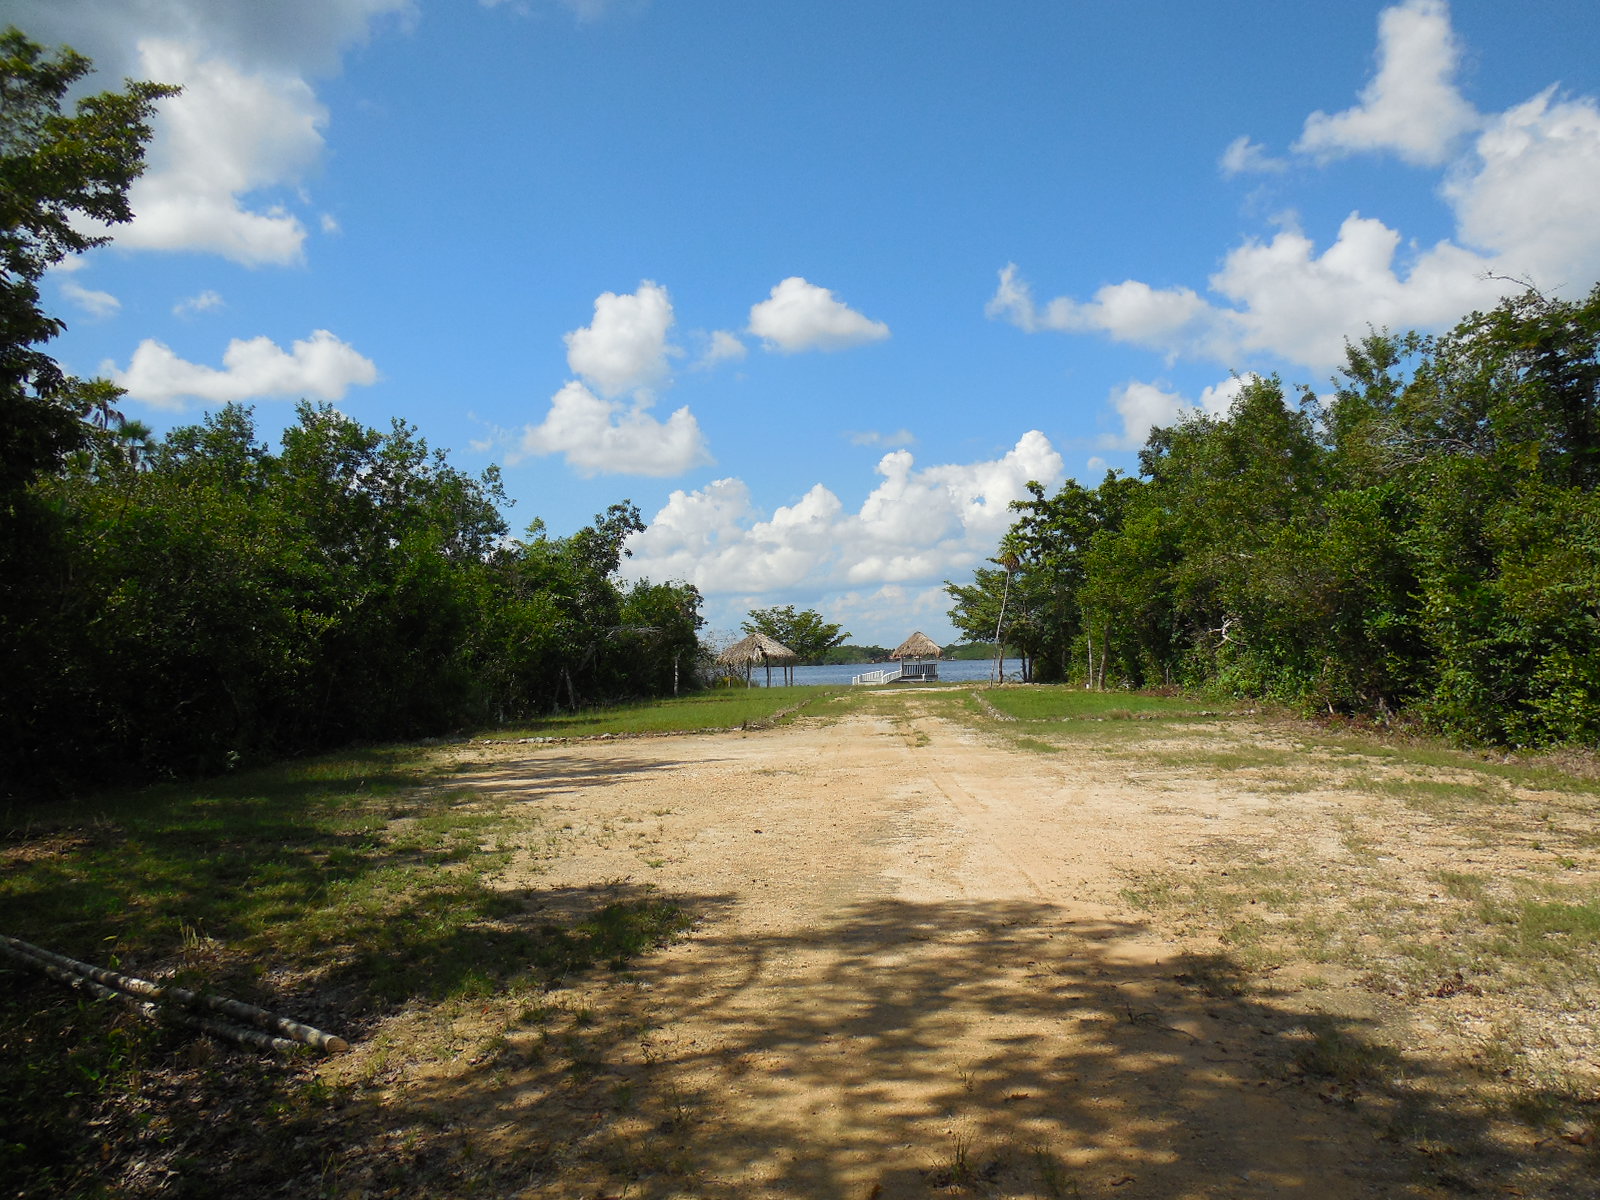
(960, 671)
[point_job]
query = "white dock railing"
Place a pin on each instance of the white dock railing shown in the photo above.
(888, 675)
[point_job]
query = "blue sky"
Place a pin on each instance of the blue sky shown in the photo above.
(821, 285)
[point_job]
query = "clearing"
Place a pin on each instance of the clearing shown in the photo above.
(1107, 958)
(935, 941)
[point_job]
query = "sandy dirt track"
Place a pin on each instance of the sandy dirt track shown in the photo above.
(913, 975)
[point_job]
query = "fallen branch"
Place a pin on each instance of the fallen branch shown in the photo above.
(280, 1032)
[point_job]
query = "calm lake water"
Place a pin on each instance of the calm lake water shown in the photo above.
(949, 672)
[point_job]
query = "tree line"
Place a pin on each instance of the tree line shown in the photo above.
(187, 603)
(179, 605)
(1423, 539)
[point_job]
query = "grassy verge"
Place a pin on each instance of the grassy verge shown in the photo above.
(728, 708)
(1068, 703)
(1453, 898)
(337, 890)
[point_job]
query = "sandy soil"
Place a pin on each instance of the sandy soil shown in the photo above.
(914, 973)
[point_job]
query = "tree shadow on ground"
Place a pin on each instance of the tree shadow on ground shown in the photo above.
(893, 1049)
(545, 777)
(204, 1118)
(991, 1049)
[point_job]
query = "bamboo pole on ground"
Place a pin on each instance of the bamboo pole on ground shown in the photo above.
(279, 1033)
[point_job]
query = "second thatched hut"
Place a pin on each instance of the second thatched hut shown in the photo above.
(759, 648)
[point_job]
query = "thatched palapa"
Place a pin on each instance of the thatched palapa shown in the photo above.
(918, 645)
(918, 657)
(759, 648)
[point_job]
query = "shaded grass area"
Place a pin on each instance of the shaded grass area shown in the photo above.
(335, 890)
(723, 708)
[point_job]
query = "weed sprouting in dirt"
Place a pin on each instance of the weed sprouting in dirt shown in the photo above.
(1054, 1181)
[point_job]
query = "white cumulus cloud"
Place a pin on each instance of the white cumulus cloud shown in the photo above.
(625, 347)
(799, 315)
(1172, 320)
(1526, 194)
(916, 525)
(1411, 106)
(600, 436)
(226, 155)
(601, 423)
(229, 134)
(321, 366)
(306, 37)
(204, 301)
(1521, 192)
(721, 346)
(1142, 407)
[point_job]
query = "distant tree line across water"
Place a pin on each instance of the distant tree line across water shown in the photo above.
(1424, 540)
(843, 655)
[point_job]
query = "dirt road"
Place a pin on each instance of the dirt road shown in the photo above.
(914, 974)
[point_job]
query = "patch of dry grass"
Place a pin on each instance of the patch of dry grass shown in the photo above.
(1460, 909)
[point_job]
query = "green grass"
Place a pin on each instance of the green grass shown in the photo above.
(335, 890)
(1538, 932)
(1338, 1055)
(1220, 761)
(1066, 703)
(724, 708)
(355, 871)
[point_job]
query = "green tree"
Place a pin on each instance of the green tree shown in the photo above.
(976, 609)
(805, 632)
(1495, 438)
(1427, 540)
(61, 175)
(570, 620)
(658, 641)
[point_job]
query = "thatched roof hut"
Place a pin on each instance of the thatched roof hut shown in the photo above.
(918, 645)
(759, 648)
(918, 657)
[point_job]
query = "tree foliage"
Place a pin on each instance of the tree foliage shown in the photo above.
(1426, 538)
(805, 632)
(179, 605)
(61, 175)
(226, 602)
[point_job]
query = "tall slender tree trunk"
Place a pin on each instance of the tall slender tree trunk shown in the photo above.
(999, 623)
